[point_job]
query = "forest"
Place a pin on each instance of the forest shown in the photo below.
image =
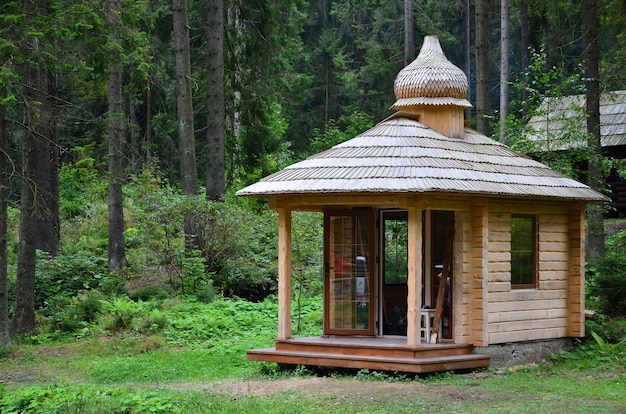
(126, 126)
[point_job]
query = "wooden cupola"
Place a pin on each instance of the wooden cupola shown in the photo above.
(433, 89)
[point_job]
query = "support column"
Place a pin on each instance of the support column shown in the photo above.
(284, 274)
(414, 280)
(479, 266)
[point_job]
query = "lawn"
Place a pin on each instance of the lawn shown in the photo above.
(188, 366)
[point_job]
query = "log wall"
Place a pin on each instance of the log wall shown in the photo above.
(549, 310)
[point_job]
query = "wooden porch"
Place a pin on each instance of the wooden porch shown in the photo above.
(375, 353)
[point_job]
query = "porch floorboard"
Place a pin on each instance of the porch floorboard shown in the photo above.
(376, 353)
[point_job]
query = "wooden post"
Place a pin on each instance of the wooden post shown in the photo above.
(284, 274)
(414, 282)
(479, 264)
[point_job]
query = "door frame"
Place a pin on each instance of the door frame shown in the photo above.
(330, 279)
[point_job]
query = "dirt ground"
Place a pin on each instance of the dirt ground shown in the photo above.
(336, 389)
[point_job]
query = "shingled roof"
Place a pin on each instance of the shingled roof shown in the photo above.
(560, 120)
(402, 155)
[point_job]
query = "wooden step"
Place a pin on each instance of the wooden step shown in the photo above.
(368, 347)
(379, 363)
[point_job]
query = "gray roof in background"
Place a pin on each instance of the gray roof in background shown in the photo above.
(401, 155)
(558, 118)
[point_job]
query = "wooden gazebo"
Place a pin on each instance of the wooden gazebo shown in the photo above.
(437, 239)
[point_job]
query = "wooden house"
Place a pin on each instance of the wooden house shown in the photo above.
(438, 241)
(560, 123)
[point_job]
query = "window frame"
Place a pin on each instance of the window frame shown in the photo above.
(535, 253)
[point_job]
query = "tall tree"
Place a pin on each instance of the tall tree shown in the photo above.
(23, 320)
(216, 174)
(33, 120)
(504, 67)
(116, 248)
(483, 107)
(595, 223)
(186, 140)
(5, 335)
(409, 33)
(48, 221)
(525, 47)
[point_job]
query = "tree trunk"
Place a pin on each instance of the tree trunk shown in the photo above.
(23, 320)
(215, 178)
(133, 138)
(188, 172)
(482, 66)
(409, 33)
(117, 252)
(5, 336)
(234, 119)
(467, 11)
(186, 141)
(48, 221)
(525, 45)
(504, 67)
(595, 223)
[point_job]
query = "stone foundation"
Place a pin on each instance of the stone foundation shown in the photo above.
(522, 353)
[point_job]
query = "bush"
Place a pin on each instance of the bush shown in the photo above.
(66, 275)
(152, 292)
(611, 330)
(606, 279)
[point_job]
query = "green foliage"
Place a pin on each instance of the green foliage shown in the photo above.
(612, 330)
(67, 275)
(75, 314)
(596, 352)
(79, 183)
(220, 237)
(151, 292)
(76, 398)
(119, 313)
(606, 278)
(157, 217)
(306, 257)
(542, 82)
(251, 273)
(335, 132)
(368, 375)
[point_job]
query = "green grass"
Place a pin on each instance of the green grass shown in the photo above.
(196, 363)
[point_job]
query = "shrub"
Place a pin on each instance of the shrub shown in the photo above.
(152, 292)
(118, 313)
(152, 321)
(606, 281)
(67, 275)
(611, 330)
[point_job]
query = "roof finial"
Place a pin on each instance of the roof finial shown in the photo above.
(431, 79)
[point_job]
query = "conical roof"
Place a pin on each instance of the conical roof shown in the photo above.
(431, 79)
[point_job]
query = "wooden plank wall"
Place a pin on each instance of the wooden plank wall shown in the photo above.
(576, 293)
(530, 314)
(463, 286)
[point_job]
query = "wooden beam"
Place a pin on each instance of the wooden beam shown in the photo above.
(320, 202)
(284, 274)
(414, 282)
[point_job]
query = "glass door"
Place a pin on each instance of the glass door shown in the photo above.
(348, 272)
